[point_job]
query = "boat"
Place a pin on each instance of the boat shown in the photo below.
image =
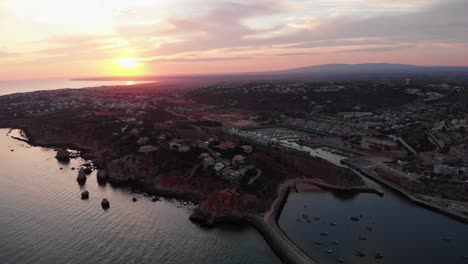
(340, 260)
(359, 253)
(369, 228)
(318, 243)
(361, 237)
(354, 218)
(316, 218)
(329, 251)
(324, 234)
(333, 224)
(378, 255)
(335, 242)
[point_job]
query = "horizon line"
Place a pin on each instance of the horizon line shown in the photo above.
(83, 78)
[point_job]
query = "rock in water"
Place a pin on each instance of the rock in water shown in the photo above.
(85, 195)
(102, 176)
(81, 179)
(63, 155)
(105, 204)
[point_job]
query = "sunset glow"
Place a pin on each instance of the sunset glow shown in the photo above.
(127, 63)
(319, 131)
(43, 38)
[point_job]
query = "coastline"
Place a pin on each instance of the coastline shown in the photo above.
(281, 247)
(33, 142)
(454, 215)
(266, 224)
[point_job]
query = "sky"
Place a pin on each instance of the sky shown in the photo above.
(65, 38)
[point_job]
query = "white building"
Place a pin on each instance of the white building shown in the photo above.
(219, 166)
(208, 162)
(446, 170)
(238, 160)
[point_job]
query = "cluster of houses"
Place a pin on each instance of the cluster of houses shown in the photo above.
(51, 101)
(269, 135)
(329, 127)
(294, 87)
(232, 169)
(445, 132)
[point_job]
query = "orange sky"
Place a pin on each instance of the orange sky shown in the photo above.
(64, 38)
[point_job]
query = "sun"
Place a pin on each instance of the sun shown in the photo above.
(126, 66)
(127, 63)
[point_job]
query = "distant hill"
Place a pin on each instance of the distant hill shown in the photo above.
(375, 68)
(323, 72)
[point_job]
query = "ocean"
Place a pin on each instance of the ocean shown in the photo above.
(24, 86)
(44, 220)
(392, 225)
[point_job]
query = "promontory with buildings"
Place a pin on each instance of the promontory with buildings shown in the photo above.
(237, 149)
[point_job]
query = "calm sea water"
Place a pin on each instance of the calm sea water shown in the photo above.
(43, 220)
(403, 232)
(23, 86)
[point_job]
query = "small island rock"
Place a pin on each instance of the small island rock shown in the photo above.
(85, 195)
(102, 176)
(105, 204)
(63, 155)
(81, 179)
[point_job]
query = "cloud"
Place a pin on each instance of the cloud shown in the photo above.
(377, 49)
(194, 60)
(223, 27)
(6, 54)
(190, 31)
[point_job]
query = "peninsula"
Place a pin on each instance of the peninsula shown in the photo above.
(237, 149)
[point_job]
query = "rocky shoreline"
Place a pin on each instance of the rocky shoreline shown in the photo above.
(266, 224)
